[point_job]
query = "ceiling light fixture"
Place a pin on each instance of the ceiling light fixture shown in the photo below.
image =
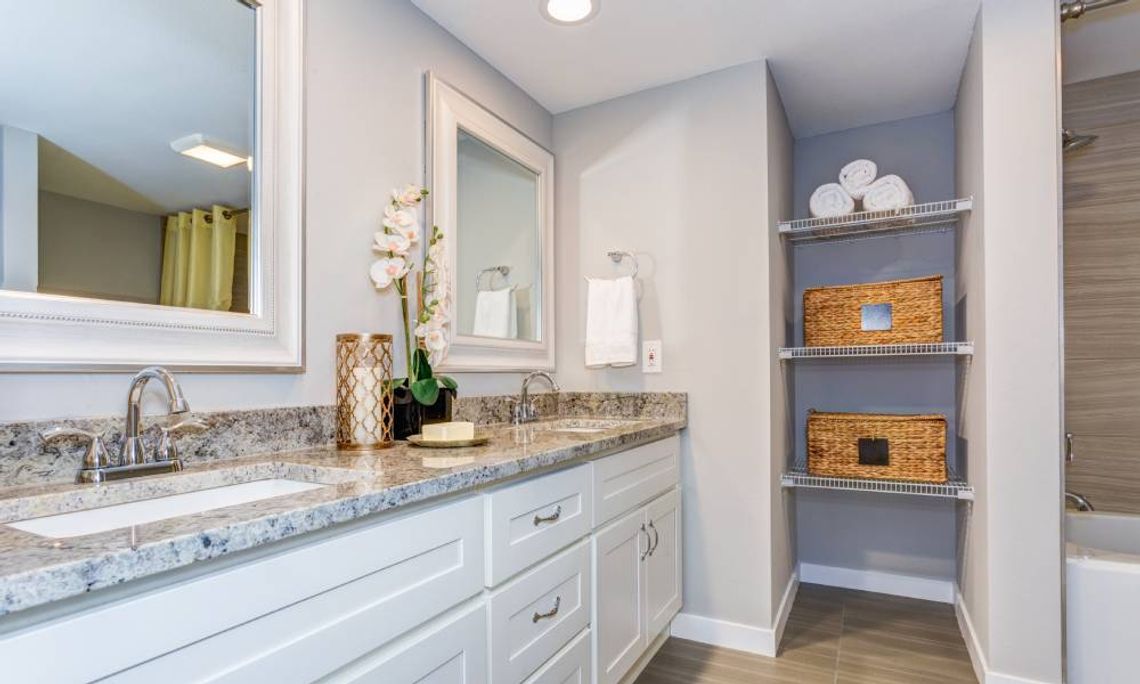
(206, 149)
(566, 12)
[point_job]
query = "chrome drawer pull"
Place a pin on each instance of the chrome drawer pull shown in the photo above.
(539, 519)
(656, 538)
(552, 613)
(648, 543)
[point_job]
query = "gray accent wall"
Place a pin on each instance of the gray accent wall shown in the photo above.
(891, 534)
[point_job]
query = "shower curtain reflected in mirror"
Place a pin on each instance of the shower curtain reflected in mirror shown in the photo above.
(198, 259)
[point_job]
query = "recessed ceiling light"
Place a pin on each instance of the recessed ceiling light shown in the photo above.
(200, 147)
(568, 11)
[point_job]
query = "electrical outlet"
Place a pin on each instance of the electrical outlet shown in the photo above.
(651, 356)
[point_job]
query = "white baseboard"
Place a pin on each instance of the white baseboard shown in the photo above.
(977, 655)
(926, 588)
(734, 635)
(785, 610)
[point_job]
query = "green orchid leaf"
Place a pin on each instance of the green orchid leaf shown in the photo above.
(425, 391)
(447, 382)
(421, 367)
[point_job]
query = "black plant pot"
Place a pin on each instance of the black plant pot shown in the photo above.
(409, 415)
(440, 411)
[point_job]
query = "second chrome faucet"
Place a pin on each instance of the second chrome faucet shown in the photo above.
(525, 410)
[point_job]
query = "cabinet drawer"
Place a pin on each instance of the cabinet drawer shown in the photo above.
(628, 479)
(531, 520)
(291, 617)
(571, 665)
(452, 650)
(535, 615)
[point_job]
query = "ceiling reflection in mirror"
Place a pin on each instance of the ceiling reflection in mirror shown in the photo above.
(499, 263)
(126, 150)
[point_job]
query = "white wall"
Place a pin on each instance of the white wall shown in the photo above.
(19, 171)
(1010, 158)
(365, 65)
(678, 175)
(781, 506)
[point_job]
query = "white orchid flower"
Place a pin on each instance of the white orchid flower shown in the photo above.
(396, 218)
(410, 233)
(384, 271)
(392, 242)
(422, 330)
(436, 340)
(409, 196)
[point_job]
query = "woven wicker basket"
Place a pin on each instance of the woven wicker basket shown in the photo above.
(838, 315)
(877, 446)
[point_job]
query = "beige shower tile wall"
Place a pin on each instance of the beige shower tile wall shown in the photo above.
(1102, 291)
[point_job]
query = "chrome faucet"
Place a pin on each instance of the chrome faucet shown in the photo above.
(133, 452)
(97, 466)
(525, 410)
(1081, 502)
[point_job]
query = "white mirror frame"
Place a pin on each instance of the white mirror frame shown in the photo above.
(40, 332)
(448, 110)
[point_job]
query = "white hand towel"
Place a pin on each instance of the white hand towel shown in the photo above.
(496, 314)
(889, 192)
(857, 176)
(830, 199)
(611, 323)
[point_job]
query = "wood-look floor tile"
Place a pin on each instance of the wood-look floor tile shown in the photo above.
(833, 635)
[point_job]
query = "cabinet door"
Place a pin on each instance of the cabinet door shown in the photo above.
(620, 631)
(663, 564)
(451, 650)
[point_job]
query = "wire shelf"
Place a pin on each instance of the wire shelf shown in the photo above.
(879, 350)
(915, 218)
(953, 489)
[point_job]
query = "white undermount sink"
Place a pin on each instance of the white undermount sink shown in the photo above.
(108, 518)
(581, 425)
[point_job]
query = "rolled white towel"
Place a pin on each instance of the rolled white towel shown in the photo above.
(889, 192)
(857, 176)
(830, 199)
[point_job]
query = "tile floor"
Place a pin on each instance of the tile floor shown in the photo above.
(835, 636)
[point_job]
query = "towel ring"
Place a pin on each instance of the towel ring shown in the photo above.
(504, 271)
(617, 256)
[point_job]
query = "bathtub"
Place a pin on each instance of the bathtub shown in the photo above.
(1102, 591)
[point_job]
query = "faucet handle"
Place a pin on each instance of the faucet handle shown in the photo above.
(96, 454)
(167, 450)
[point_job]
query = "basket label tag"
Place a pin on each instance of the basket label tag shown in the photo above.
(877, 316)
(874, 452)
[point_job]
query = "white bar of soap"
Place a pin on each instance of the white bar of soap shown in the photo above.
(448, 432)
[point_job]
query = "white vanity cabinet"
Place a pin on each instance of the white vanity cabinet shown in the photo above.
(556, 578)
(636, 558)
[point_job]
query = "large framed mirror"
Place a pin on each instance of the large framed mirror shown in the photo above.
(151, 185)
(493, 196)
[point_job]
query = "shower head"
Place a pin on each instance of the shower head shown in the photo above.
(1077, 8)
(1074, 141)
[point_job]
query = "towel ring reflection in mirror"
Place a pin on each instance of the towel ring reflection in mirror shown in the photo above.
(616, 256)
(504, 271)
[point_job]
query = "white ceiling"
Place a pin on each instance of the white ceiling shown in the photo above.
(110, 84)
(1101, 43)
(838, 63)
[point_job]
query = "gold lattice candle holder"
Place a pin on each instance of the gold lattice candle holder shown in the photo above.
(363, 391)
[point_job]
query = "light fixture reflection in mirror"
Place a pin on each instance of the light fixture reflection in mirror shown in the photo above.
(499, 264)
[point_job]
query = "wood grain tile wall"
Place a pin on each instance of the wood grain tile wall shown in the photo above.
(1102, 291)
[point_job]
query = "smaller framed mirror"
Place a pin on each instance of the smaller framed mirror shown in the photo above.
(493, 196)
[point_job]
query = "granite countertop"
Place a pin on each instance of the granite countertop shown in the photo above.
(36, 570)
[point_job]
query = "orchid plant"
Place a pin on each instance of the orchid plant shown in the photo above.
(394, 243)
